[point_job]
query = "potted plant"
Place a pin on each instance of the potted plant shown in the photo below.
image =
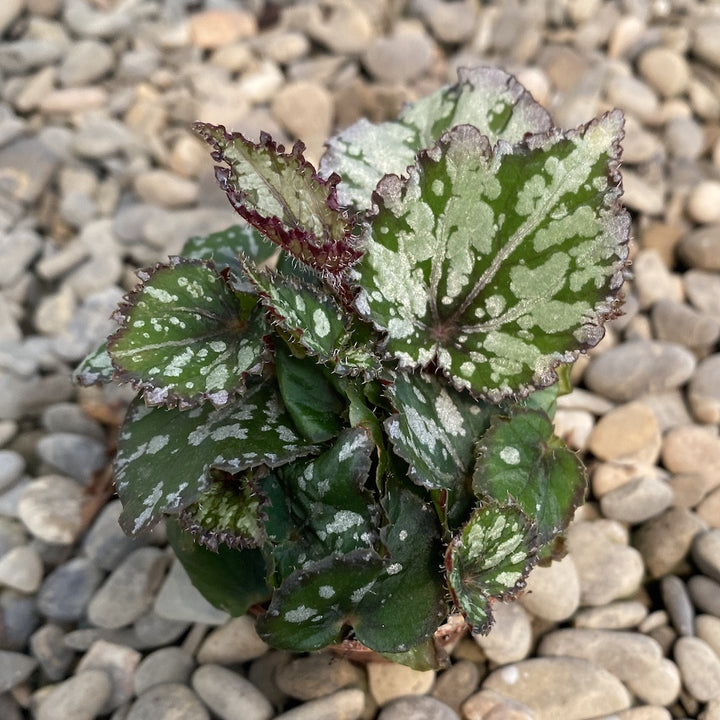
(345, 403)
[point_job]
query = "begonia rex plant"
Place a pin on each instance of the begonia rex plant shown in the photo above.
(345, 409)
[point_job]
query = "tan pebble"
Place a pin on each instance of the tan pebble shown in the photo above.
(693, 449)
(74, 100)
(488, 704)
(553, 592)
(510, 637)
(665, 70)
(214, 28)
(629, 432)
(703, 204)
(388, 681)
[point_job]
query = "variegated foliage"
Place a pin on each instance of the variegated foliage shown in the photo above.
(356, 387)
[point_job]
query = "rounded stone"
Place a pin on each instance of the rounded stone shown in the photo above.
(706, 553)
(165, 188)
(665, 70)
(21, 569)
(553, 592)
(510, 637)
(51, 509)
(629, 432)
(341, 705)
(699, 667)
(703, 203)
(457, 683)
(234, 642)
(627, 371)
(705, 44)
(705, 594)
(77, 456)
(709, 509)
(561, 687)
(701, 248)
(15, 668)
(664, 541)
(607, 569)
(692, 449)
(421, 707)
(400, 57)
(634, 96)
(12, 467)
(708, 630)
(86, 62)
(230, 695)
(704, 391)
(47, 644)
(130, 589)
(166, 665)
(81, 697)
(66, 591)
(311, 677)
(618, 615)
(679, 323)
(637, 500)
(168, 701)
(488, 704)
(388, 682)
(678, 605)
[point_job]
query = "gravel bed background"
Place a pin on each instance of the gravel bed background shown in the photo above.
(99, 174)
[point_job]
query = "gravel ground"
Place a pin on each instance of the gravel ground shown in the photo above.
(99, 174)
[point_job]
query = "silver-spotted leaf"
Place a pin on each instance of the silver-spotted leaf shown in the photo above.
(229, 512)
(283, 197)
(520, 459)
(490, 99)
(186, 336)
(224, 248)
(165, 456)
(435, 429)
(489, 560)
(95, 369)
(307, 314)
(497, 265)
(313, 606)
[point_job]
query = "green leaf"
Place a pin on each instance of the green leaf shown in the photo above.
(164, 456)
(497, 265)
(315, 406)
(242, 571)
(489, 560)
(186, 336)
(436, 428)
(224, 247)
(313, 607)
(311, 317)
(95, 369)
(229, 512)
(283, 197)
(491, 100)
(520, 459)
(407, 602)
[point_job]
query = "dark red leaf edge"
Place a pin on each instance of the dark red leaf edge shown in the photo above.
(328, 255)
(151, 394)
(593, 328)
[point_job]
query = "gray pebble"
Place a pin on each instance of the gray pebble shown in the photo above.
(88, 21)
(18, 249)
(637, 500)
(69, 417)
(678, 605)
(341, 705)
(236, 641)
(80, 697)
(399, 58)
(677, 322)
(699, 667)
(20, 619)
(627, 371)
(420, 707)
(47, 645)
(704, 391)
(230, 695)
(86, 62)
(169, 701)
(77, 456)
(101, 138)
(23, 56)
(12, 467)
(67, 590)
(619, 615)
(130, 589)
(701, 248)
(705, 594)
(14, 669)
(16, 159)
(149, 631)
(167, 665)
(105, 543)
(706, 553)
(703, 290)
(12, 534)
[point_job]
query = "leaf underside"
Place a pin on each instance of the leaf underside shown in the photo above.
(520, 460)
(489, 99)
(283, 197)
(186, 336)
(489, 560)
(164, 457)
(497, 265)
